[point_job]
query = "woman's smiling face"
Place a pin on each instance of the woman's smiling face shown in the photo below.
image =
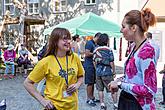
(64, 44)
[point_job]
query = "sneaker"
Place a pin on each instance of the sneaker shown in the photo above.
(96, 100)
(115, 106)
(91, 102)
(5, 76)
(11, 76)
(103, 107)
(162, 103)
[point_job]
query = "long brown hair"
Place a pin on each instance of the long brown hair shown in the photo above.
(56, 35)
(143, 19)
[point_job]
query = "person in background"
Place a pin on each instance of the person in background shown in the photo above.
(42, 52)
(139, 84)
(82, 47)
(157, 48)
(74, 43)
(163, 85)
(89, 68)
(105, 68)
(9, 56)
(63, 72)
(23, 60)
(128, 50)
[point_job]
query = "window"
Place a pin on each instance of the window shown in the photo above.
(58, 6)
(33, 6)
(8, 5)
(90, 2)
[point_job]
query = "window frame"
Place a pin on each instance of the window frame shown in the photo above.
(33, 8)
(60, 8)
(9, 4)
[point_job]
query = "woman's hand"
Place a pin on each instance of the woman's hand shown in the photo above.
(114, 74)
(113, 87)
(72, 88)
(47, 104)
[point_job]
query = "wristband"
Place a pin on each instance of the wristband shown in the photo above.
(119, 84)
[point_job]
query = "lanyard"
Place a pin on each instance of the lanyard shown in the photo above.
(132, 53)
(62, 72)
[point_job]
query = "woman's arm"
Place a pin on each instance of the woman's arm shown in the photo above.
(26, 56)
(113, 66)
(29, 86)
(79, 82)
(88, 53)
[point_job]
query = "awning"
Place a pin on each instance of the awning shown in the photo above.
(88, 25)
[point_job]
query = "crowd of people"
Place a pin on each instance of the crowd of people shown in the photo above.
(10, 60)
(138, 85)
(67, 61)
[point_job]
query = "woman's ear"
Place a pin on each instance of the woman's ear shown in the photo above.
(134, 28)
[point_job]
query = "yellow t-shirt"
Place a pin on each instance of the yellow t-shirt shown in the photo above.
(55, 84)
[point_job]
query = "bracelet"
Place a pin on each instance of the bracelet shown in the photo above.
(119, 84)
(113, 73)
(109, 84)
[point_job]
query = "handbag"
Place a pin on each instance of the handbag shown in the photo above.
(3, 105)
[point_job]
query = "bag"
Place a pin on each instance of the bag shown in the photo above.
(3, 105)
(128, 102)
(103, 70)
(103, 55)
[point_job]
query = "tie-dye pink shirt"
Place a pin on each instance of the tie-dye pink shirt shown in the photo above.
(140, 75)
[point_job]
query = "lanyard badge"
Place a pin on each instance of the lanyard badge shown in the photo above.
(62, 72)
(64, 75)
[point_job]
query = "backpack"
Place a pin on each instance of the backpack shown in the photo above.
(42, 52)
(103, 55)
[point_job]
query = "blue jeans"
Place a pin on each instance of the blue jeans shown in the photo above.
(8, 64)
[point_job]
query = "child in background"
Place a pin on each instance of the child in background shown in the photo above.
(9, 56)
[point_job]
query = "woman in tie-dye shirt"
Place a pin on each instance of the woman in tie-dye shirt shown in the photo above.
(139, 84)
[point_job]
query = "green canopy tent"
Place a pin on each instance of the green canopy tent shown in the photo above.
(88, 25)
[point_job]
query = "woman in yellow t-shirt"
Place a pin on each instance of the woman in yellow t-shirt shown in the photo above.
(63, 72)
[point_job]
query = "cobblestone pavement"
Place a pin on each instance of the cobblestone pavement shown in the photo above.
(18, 99)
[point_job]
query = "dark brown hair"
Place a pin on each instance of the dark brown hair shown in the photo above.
(143, 19)
(103, 40)
(56, 35)
(75, 37)
(149, 35)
